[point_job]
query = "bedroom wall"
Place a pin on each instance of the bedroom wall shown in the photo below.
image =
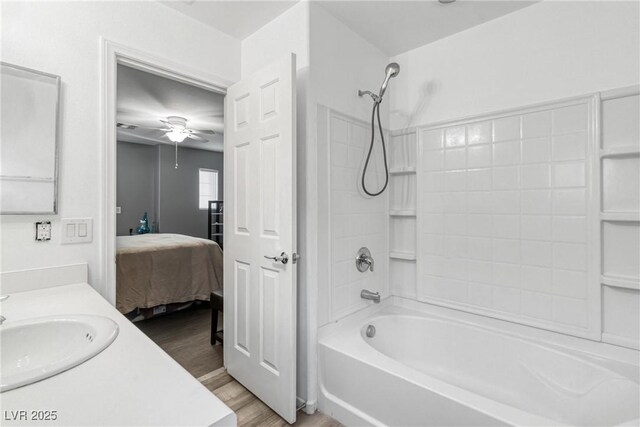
(136, 187)
(63, 38)
(178, 189)
(148, 181)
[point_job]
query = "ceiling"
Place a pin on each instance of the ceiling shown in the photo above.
(396, 26)
(238, 18)
(144, 99)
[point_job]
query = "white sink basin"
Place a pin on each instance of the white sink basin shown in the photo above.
(39, 348)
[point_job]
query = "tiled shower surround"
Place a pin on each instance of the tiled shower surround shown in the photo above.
(504, 211)
(530, 215)
(356, 220)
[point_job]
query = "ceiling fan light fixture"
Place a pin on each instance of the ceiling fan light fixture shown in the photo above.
(177, 135)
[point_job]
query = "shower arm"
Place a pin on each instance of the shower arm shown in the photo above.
(376, 98)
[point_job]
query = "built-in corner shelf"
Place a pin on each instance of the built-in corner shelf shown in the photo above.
(402, 212)
(620, 282)
(407, 256)
(622, 151)
(403, 171)
(620, 216)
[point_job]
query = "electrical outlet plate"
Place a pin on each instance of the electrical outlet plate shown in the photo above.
(43, 231)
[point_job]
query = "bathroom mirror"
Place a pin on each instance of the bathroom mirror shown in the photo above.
(28, 141)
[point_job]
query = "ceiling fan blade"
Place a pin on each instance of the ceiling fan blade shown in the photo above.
(169, 125)
(197, 138)
(153, 128)
(202, 131)
(155, 134)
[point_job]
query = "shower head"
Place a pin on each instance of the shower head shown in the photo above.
(392, 70)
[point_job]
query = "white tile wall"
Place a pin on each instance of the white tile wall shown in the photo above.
(503, 213)
(356, 220)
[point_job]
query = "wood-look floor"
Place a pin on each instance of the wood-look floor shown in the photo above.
(185, 337)
(251, 411)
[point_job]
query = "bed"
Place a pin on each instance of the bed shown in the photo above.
(159, 269)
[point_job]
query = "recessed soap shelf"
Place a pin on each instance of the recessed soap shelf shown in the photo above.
(402, 212)
(407, 256)
(402, 171)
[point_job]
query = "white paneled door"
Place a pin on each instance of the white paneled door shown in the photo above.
(260, 235)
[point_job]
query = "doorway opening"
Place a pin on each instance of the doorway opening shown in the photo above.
(169, 205)
(150, 110)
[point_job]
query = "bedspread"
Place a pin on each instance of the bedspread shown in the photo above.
(155, 269)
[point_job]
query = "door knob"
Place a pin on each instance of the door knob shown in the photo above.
(283, 258)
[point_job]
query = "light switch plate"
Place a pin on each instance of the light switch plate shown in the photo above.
(43, 231)
(118, 210)
(76, 230)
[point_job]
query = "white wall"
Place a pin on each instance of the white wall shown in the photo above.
(287, 33)
(343, 62)
(543, 52)
(63, 38)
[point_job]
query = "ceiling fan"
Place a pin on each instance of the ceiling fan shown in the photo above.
(176, 131)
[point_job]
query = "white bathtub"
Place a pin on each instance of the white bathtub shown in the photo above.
(442, 367)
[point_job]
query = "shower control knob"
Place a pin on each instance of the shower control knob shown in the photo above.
(364, 261)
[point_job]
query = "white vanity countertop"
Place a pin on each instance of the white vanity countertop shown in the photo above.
(131, 383)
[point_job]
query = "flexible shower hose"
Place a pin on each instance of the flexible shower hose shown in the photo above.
(376, 113)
